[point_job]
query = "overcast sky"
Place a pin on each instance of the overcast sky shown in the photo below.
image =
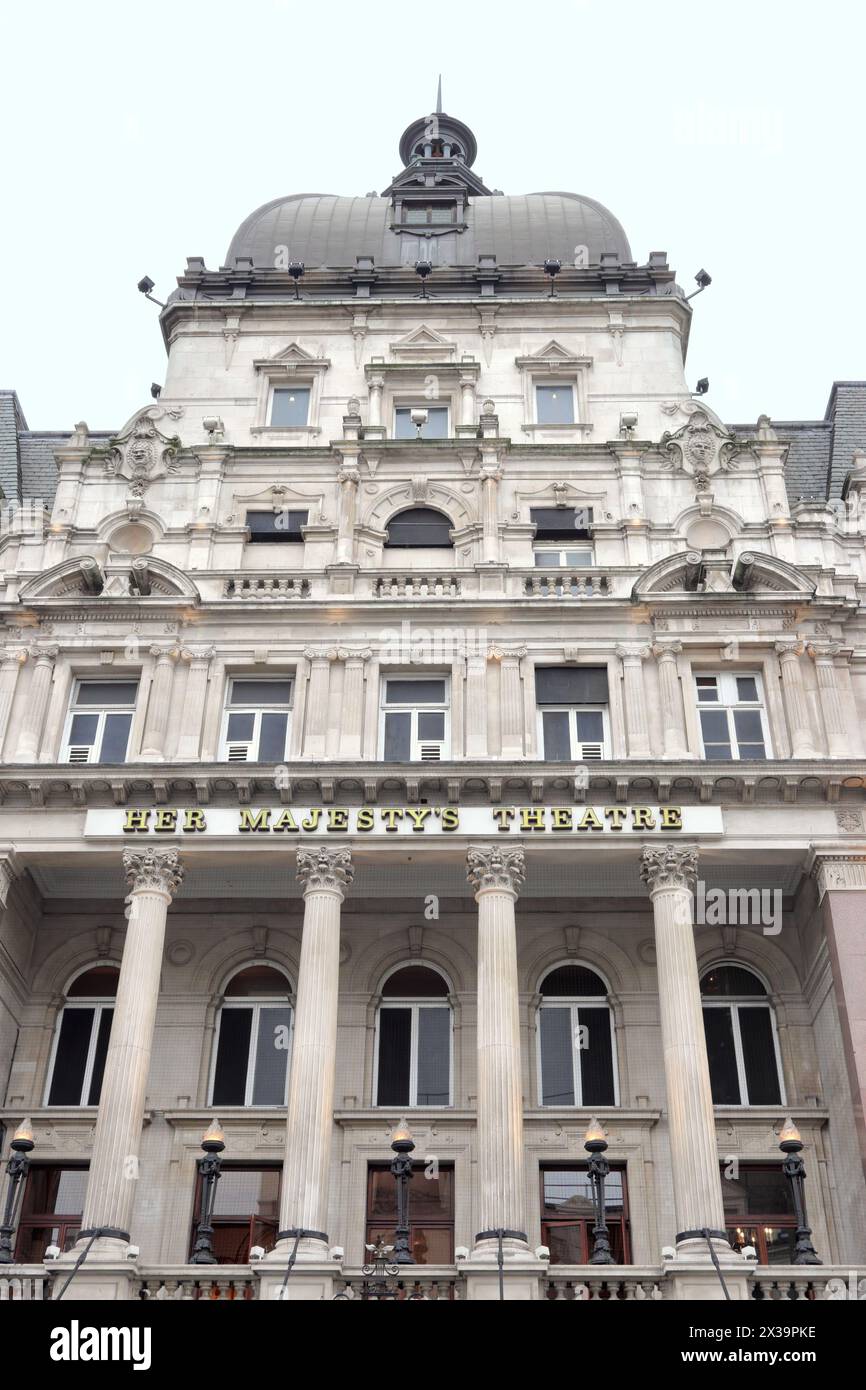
(730, 135)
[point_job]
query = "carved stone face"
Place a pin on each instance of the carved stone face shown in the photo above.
(701, 446)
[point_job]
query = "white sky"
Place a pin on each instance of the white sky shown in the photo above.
(730, 135)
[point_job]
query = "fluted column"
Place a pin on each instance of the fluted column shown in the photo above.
(510, 699)
(669, 871)
(318, 695)
(496, 874)
(376, 387)
(38, 692)
(10, 665)
(325, 874)
(673, 721)
(824, 656)
(159, 704)
(194, 701)
(476, 705)
(634, 699)
(802, 743)
(348, 478)
(352, 721)
(153, 875)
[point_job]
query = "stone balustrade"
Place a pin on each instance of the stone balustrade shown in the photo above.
(409, 586)
(620, 1284)
(566, 584)
(267, 586)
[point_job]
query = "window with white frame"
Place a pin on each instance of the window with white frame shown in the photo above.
(554, 404)
(732, 716)
(81, 1038)
(562, 537)
(290, 407)
(257, 720)
(414, 719)
(99, 721)
(572, 713)
(413, 1039)
(253, 1039)
(435, 426)
(742, 1044)
(576, 1054)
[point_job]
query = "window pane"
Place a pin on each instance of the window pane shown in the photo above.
(395, 1031)
(272, 738)
(562, 524)
(271, 526)
(115, 738)
(707, 688)
(568, 1192)
(291, 407)
(435, 428)
(272, 1054)
(398, 737)
(399, 692)
(261, 692)
(758, 1191)
(83, 729)
(51, 1188)
(556, 736)
(431, 725)
(573, 982)
(747, 723)
(106, 693)
(578, 558)
(419, 527)
(724, 980)
(434, 1056)
(248, 1192)
(590, 727)
(722, 1058)
(257, 982)
(240, 728)
(441, 214)
(759, 1056)
(233, 1054)
(596, 1057)
(548, 559)
(554, 405)
(747, 688)
(566, 1243)
(714, 725)
(70, 1059)
(557, 1073)
(415, 982)
(98, 983)
(99, 1056)
(571, 685)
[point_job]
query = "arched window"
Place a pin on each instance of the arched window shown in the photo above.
(254, 1029)
(81, 1038)
(576, 1056)
(741, 1038)
(419, 528)
(413, 1039)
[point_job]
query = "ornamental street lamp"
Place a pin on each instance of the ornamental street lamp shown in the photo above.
(795, 1171)
(16, 1169)
(209, 1169)
(401, 1166)
(595, 1144)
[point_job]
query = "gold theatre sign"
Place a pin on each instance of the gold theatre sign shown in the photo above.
(301, 821)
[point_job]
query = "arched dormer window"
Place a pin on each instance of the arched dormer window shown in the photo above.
(742, 1046)
(419, 528)
(81, 1038)
(413, 1039)
(253, 1039)
(576, 1051)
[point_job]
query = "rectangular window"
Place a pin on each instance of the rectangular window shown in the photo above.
(99, 722)
(561, 524)
(732, 716)
(742, 1053)
(281, 526)
(573, 712)
(414, 1055)
(257, 721)
(759, 1211)
(414, 724)
(568, 1214)
(246, 1212)
(554, 405)
(576, 1055)
(51, 1210)
(563, 557)
(79, 1054)
(252, 1054)
(431, 1211)
(435, 428)
(290, 407)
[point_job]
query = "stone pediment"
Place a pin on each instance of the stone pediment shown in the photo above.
(423, 344)
(291, 359)
(693, 571)
(121, 577)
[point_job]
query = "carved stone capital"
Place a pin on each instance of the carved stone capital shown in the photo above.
(790, 647)
(167, 653)
(153, 870)
(202, 654)
(349, 474)
(44, 655)
(824, 651)
(13, 656)
(839, 872)
(669, 866)
(325, 868)
(495, 866)
(666, 651)
(497, 653)
(635, 654)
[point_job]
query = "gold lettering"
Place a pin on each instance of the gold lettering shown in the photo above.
(561, 818)
(672, 818)
(643, 818)
(338, 820)
(451, 818)
(366, 818)
(136, 820)
(390, 817)
(504, 815)
(590, 820)
(194, 820)
(312, 821)
(166, 821)
(254, 820)
(418, 816)
(616, 815)
(286, 822)
(531, 820)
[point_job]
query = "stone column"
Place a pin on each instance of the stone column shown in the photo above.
(352, 731)
(634, 700)
(468, 421)
(673, 722)
(510, 699)
(348, 478)
(12, 660)
(802, 743)
(496, 874)
(824, 656)
(841, 880)
(194, 702)
(325, 874)
(39, 690)
(670, 870)
(490, 480)
(476, 705)
(153, 875)
(159, 705)
(376, 386)
(318, 696)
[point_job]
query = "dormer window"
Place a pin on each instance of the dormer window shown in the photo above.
(428, 215)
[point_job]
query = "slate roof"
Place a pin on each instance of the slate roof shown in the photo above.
(821, 451)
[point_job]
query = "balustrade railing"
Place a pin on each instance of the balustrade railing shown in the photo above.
(408, 586)
(267, 586)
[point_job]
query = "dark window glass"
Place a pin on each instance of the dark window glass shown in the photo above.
(747, 688)
(395, 1036)
(759, 1056)
(257, 981)
(561, 523)
(261, 692)
(82, 731)
(246, 1212)
(414, 692)
(759, 1212)
(272, 1054)
(557, 1074)
(573, 982)
(554, 405)
(233, 1052)
(590, 727)
(707, 689)
(718, 1028)
(431, 1212)
(276, 526)
(272, 739)
(727, 980)
(419, 527)
(415, 982)
(568, 1214)
(106, 693)
(291, 406)
(115, 738)
(50, 1211)
(556, 732)
(750, 735)
(435, 428)
(100, 1053)
(240, 727)
(571, 685)
(431, 724)
(98, 983)
(70, 1058)
(596, 1057)
(434, 1056)
(398, 737)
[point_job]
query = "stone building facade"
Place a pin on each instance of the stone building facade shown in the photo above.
(428, 709)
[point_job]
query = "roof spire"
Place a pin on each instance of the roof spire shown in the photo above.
(439, 97)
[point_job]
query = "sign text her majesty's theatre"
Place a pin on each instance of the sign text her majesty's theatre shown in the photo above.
(301, 821)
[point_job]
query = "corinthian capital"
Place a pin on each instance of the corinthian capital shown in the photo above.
(669, 866)
(494, 866)
(152, 870)
(325, 868)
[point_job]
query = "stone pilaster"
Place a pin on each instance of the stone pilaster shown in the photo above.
(841, 881)
(325, 874)
(673, 721)
(634, 699)
(33, 722)
(318, 697)
(348, 478)
(824, 656)
(802, 742)
(511, 702)
(11, 662)
(159, 704)
(194, 701)
(352, 721)
(476, 705)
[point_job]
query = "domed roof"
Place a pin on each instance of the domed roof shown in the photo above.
(322, 230)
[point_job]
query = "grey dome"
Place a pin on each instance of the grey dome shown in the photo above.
(326, 231)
